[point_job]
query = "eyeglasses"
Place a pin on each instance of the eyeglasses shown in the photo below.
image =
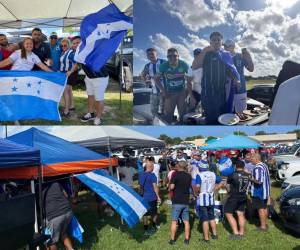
(53, 37)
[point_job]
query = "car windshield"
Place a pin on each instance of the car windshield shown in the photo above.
(288, 151)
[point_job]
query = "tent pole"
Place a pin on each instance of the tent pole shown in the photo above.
(122, 75)
(36, 227)
(40, 196)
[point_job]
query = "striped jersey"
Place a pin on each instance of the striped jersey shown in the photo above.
(195, 169)
(151, 69)
(261, 173)
(207, 181)
(67, 60)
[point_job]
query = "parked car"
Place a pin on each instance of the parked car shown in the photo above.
(262, 93)
(291, 182)
(290, 208)
(123, 54)
(288, 165)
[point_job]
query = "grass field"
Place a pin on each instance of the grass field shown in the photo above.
(115, 113)
(111, 235)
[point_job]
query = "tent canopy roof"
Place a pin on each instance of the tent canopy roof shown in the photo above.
(12, 12)
(53, 149)
(232, 142)
(113, 136)
(16, 155)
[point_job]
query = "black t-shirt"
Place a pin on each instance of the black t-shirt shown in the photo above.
(182, 181)
(54, 201)
(103, 72)
(163, 162)
(239, 182)
(43, 52)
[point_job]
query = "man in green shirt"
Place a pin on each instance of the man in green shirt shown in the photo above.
(175, 86)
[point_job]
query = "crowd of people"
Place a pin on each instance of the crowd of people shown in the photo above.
(57, 56)
(195, 183)
(214, 83)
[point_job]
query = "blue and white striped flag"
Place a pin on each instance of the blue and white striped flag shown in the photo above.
(101, 34)
(122, 198)
(30, 95)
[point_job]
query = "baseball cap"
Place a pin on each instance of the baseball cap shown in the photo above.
(53, 34)
(229, 42)
(197, 51)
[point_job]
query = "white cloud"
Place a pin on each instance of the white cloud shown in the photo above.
(196, 14)
(139, 54)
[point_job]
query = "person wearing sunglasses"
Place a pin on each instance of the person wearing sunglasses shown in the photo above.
(56, 51)
(175, 85)
(241, 61)
(70, 67)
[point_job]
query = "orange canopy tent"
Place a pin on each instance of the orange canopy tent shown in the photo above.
(58, 157)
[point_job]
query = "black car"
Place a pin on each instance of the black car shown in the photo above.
(262, 93)
(290, 209)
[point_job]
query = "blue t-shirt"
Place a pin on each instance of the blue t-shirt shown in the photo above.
(55, 55)
(139, 164)
(240, 63)
(146, 181)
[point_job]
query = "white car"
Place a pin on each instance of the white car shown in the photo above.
(288, 165)
(291, 182)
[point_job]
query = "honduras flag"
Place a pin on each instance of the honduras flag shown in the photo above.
(30, 95)
(122, 198)
(101, 34)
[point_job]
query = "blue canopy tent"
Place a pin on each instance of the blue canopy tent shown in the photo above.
(16, 155)
(58, 156)
(232, 142)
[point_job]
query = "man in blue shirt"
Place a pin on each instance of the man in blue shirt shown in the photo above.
(206, 185)
(260, 190)
(55, 51)
(241, 61)
(148, 183)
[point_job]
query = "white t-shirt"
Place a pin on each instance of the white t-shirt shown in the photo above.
(156, 171)
(196, 74)
(22, 63)
(128, 175)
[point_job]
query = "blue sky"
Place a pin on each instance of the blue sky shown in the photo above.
(266, 27)
(184, 131)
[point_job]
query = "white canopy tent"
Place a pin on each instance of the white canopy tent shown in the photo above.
(16, 14)
(109, 136)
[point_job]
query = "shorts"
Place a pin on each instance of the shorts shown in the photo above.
(72, 79)
(59, 227)
(206, 213)
(257, 203)
(180, 209)
(153, 208)
(235, 204)
(96, 87)
(240, 102)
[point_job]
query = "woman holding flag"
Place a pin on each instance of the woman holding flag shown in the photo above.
(24, 59)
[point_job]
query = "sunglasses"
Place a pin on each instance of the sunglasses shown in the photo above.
(53, 37)
(172, 56)
(64, 46)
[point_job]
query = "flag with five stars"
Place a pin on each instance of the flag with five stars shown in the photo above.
(30, 95)
(121, 197)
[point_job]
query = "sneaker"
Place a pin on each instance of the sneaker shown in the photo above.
(214, 237)
(171, 242)
(234, 237)
(204, 241)
(87, 117)
(186, 242)
(97, 121)
(66, 115)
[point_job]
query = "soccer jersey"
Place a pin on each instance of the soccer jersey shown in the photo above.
(207, 181)
(67, 60)
(239, 182)
(195, 169)
(174, 78)
(240, 63)
(43, 52)
(261, 174)
(151, 69)
(22, 63)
